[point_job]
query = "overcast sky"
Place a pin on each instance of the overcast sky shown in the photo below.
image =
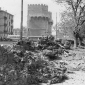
(14, 7)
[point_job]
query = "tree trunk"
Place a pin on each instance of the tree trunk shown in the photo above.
(80, 41)
(75, 43)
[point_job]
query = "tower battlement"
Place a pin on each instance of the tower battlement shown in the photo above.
(39, 20)
(37, 9)
(33, 6)
(38, 5)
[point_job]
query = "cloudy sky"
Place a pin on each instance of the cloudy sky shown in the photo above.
(14, 7)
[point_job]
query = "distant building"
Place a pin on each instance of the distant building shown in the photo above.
(17, 31)
(39, 20)
(6, 24)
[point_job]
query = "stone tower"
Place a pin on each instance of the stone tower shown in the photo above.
(39, 20)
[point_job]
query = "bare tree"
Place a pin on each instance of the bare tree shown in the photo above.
(67, 19)
(78, 8)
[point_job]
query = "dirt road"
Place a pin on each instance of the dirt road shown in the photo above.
(76, 78)
(77, 62)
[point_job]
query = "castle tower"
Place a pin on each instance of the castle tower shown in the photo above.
(39, 20)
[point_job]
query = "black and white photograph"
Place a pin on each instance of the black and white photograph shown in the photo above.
(42, 42)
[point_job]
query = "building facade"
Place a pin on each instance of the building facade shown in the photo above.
(6, 24)
(39, 20)
(17, 31)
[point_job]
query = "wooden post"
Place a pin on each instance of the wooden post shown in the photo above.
(56, 26)
(21, 29)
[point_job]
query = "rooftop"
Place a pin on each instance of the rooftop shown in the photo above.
(5, 11)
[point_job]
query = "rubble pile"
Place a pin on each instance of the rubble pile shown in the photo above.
(25, 64)
(75, 60)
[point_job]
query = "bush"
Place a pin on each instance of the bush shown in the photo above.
(27, 45)
(21, 65)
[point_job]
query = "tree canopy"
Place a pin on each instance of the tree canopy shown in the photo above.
(78, 8)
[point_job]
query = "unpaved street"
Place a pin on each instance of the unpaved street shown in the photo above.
(76, 78)
(76, 64)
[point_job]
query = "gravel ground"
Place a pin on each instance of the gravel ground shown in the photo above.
(77, 75)
(77, 78)
(78, 62)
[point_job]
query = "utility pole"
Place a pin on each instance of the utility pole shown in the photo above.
(56, 25)
(21, 27)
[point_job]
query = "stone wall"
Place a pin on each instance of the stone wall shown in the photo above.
(39, 20)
